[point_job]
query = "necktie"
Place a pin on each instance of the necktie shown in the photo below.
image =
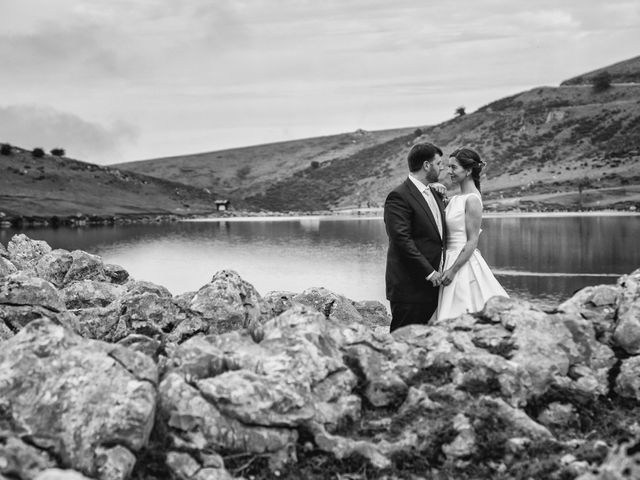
(428, 196)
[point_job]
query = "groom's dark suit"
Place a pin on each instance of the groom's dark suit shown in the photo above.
(415, 251)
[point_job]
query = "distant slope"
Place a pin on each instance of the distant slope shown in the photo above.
(540, 145)
(58, 186)
(240, 171)
(627, 71)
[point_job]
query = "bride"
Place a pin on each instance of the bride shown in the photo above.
(466, 282)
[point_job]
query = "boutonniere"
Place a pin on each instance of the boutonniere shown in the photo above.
(440, 190)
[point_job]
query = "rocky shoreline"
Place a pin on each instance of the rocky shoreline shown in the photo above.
(107, 377)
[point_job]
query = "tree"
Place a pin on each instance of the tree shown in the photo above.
(37, 152)
(460, 111)
(583, 183)
(58, 152)
(5, 149)
(601, 82)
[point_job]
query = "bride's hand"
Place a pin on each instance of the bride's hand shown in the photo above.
(447, 277)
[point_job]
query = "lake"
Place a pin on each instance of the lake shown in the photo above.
(544, 259)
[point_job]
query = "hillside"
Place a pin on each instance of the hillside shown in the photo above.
(59, 186)
(234, 172)
(565, 147)
(627, 71)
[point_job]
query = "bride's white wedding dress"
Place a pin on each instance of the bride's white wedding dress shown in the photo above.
(474, 283)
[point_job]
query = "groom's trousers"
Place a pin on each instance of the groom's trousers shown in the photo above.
(411, 313)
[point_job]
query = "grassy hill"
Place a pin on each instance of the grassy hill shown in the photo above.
(627, 71)
(235, 172)
(563, 147)
(58, 186)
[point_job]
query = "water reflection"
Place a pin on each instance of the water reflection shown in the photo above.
(348, 255)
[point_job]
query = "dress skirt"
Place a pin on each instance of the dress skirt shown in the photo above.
(470, 289)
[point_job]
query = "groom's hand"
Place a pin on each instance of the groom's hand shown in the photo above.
(435, 279)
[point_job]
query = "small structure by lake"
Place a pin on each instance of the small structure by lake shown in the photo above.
(222, 205)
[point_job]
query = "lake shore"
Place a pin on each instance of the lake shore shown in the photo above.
(81, 220)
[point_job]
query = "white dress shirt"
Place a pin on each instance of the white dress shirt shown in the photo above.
(428, 196)
(431, 201)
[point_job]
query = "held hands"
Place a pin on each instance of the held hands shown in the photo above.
(435, 279)
(446, 277)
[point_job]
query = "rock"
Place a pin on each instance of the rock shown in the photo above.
(277, 303)
(15, 318)
(20, 289)
(142, 344)
(90, 293)
(139, 287)
(24, 251)
(374, 314)
(227, 303)
(185, 467)
(622, 463)
(598, 304)
(6, 268)
(465, 442)
(627, 330)
(331, 305)
(116, 274)
(228, 393)
(85, 266)
(101, 323)
(627, 382)
(89, 394)
(17, 458)
(53, 266)
(558, 414)
(57, 474)
(553, 349)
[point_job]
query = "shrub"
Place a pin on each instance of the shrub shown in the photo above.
(460, 111)
(38, 152)
(5, 149)
(315, 164)
(242, 172)
(58, 152)
(601, 82)
(418, 132)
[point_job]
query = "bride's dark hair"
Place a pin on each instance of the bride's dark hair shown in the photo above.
(470, 160)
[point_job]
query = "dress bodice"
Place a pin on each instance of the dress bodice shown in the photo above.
(455, 218)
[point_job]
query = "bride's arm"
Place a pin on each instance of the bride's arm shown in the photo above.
(472, 219)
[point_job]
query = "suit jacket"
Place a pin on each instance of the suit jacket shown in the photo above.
(415, 245)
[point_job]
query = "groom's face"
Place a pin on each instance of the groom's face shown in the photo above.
(433, 169)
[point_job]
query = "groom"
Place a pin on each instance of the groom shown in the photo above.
(414, 220)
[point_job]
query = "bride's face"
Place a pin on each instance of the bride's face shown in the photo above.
(456, 171)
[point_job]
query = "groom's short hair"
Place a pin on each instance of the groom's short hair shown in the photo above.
(420, 153)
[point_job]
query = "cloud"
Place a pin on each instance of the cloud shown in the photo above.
(30, 126)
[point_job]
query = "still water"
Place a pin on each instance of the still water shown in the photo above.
(541, 259)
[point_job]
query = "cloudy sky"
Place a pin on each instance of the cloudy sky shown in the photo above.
(121, 80)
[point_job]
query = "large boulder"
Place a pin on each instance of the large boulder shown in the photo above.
(21, 289)
(85, 266)
(228, 393)
(24, 252)
(54, 266)
(85, 404)
(227, 303)
(627, 331)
